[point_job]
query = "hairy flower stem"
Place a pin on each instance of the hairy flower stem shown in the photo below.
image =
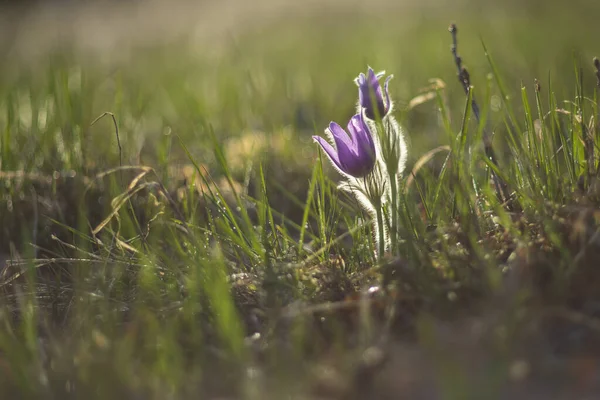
(394, 212)
(381, 232)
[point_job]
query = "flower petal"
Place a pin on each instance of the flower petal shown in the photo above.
(354, 152)
(329, 150)
(374, 83)
(340, 135)
(369, 93)
(373, 77)
(360, 80)
(359, 159)
(349, 158)
(364, 145)
(363, 138)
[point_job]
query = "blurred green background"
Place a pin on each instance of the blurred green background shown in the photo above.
(238, 67)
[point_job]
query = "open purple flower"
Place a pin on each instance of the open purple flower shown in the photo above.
(354, 152)
(370, 96)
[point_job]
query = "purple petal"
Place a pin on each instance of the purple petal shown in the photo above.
(360, 159)
(363, 139)
(360, 80)
(373, 78)
(355, 128)
(329, 150)
(374, 83)
(370, 95)
(354, 153)
(340, 135)
(346, 147)
(363, 90)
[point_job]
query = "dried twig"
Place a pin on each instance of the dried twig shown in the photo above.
(465, 80)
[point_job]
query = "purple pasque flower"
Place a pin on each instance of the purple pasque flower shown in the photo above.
(354, 152)
(370, 96)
